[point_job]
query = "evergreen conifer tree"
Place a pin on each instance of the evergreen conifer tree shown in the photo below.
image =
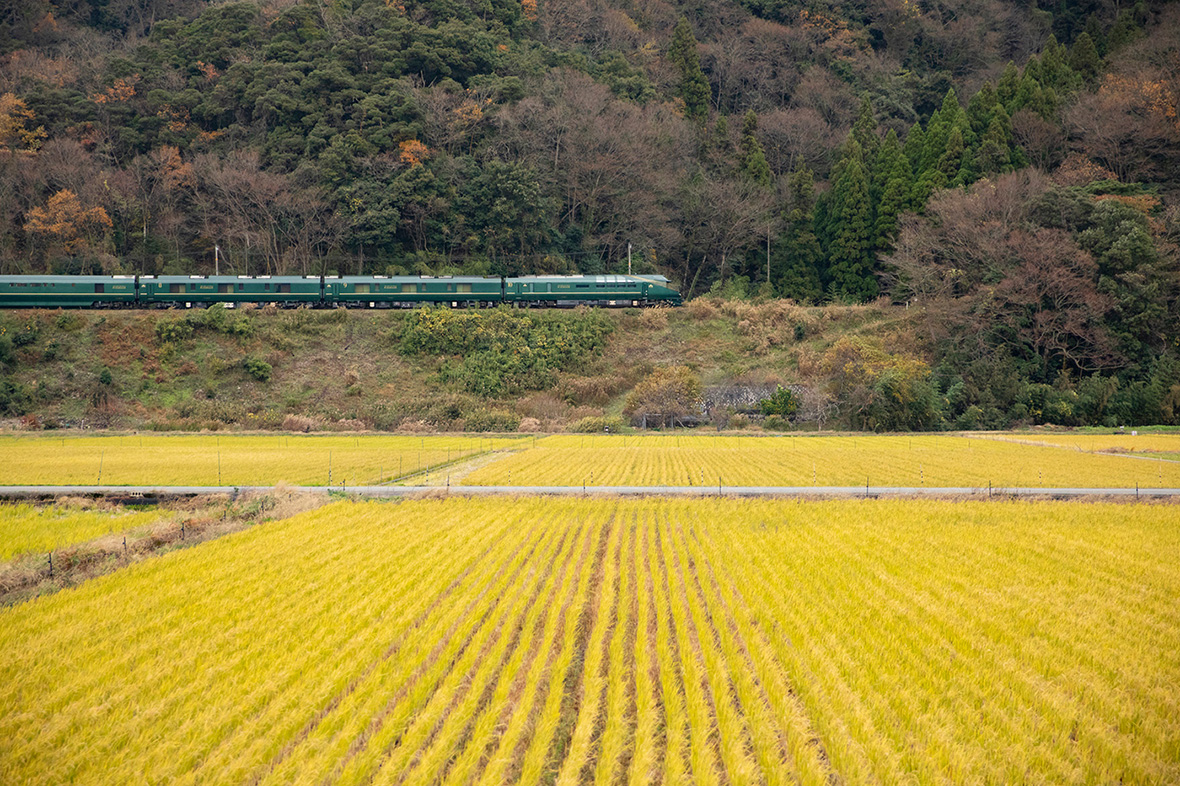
(1008, 85)
(981, 108)
(1084, 59)
(995, 150)
(864, 130)
(892, 184)
(1097, 32)
(694, 88)
(752, 159)
(798, 256)
(1055, 70)
(850, 260)
(1124, 31)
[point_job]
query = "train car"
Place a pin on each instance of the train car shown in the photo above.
(187, 291)
(348, 291)
(67, 291)
(409, 291)
(605, 291)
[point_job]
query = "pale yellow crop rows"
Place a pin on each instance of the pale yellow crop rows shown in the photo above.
(641, 641)
(213, 460)
(923, 460)
(1095, 443)
(28, 529)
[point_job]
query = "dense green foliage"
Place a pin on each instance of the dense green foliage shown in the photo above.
(501, 351)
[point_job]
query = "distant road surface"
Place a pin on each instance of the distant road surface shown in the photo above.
(672, 491)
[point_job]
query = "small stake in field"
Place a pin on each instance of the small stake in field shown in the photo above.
(101, 456)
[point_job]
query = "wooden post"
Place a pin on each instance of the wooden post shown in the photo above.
(101, 456)
(51, 564)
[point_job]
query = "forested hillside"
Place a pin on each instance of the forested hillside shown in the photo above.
(1011, 169)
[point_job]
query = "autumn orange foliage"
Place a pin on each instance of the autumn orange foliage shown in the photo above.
(14, 119)
(122, 90)
(411, 152)
(65, 221)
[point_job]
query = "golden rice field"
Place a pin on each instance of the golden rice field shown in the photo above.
(922, 460)
(28, 529)
(1168, 443)
(473, 641)
(214, 460)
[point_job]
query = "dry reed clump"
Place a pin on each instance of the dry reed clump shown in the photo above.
(596, 391)
(653, 319)
(415, 426)
(543, 406)
(774, 323)
(702, 309)
(300, 423)
(529, 425)
(350, 424)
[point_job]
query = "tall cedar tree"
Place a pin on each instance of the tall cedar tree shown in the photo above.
(850, 252)
(694, 88)
(864, 130)
(751, 158)
(1084, 58)
(892, 183)
(798, 256)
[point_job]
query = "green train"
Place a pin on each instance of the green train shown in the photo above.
(340, 291)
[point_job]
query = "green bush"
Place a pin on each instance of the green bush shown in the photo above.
(257, 368)
(502, 351)
(27, 334)
(173, 330)
(782, 402)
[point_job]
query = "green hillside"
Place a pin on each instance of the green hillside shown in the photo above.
(999, 177)
(852, 367)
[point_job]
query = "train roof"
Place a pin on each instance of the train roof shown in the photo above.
(403, 279)
(175, 278)
(606, 279)
(60, 279)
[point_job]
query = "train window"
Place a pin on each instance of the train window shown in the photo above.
(241, 287)
(266, 287)
(225, 288)
(176, 288)
(582, 286)
(410, 288)
(464, 287)
(361, 289)
(284, 287)
(100, 288)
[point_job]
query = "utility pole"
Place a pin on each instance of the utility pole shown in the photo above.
(216, 260)
(628, 259)
(768, 253)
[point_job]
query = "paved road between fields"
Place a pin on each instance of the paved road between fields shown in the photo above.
(607, 491)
